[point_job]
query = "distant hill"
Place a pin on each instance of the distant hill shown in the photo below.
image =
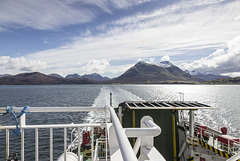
(225, 81)
(37, 78)
(73, 76)
(206, 77)
(163, 72)
(95, 77)
(209, 77)
(55, 75)
(4, 75)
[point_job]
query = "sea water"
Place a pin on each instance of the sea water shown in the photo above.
(226, 97)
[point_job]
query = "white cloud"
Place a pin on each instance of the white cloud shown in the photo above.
(195, 25)
(95, 66)
(221, 61)
(165, 58)
(9, 64)
(54, 14)
(232, 74)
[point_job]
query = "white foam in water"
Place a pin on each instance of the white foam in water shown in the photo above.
(103, 99)
(212, 118)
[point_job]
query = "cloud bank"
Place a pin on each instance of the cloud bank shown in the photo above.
(171, 31)
(20, 64)
(225, 62)
(177, 29)
(54, 14)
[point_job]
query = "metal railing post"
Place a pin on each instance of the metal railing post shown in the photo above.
(36, 144)
(51, 144)
(92, 146)
(105, 131)
(65, 143)
(79, 143)
(22, 124)
(22, 145)
(7, 144)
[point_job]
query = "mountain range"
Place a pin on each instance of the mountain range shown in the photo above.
(163, 72)
(37, 78)
(140, 73)
(206, 76)
(93, 77)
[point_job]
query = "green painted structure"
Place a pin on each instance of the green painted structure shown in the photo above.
(163, 118)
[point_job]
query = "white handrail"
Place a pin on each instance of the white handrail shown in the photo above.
(53, 126)
(152, 130)
(125, 146)
(55, 109)
(235, 157)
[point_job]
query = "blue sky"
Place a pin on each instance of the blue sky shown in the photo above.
(110, 36)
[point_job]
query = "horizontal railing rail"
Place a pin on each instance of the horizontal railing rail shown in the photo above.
(55, 109)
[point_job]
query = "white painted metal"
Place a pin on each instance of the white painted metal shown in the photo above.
(122, 144)
(120, 113)
(137, 145)
(69, 157)
(151, 130)
(182, 149)
(106, 135)
(115, 153)
(22, 145)
(53, 126)
(147, 150)
(235, 157)
(150, 153)
(96, 151)
(92, 146)
(79, 143)
(191, 130)
(36, 144)
(125, 146)
(191, 123)
(55, 109)
(65, 144)
(22, 124)
(51, 144)
(7, 144)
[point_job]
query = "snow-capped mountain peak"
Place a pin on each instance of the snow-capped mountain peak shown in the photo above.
(164, 64)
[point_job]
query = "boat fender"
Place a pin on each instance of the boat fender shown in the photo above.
(69, 157)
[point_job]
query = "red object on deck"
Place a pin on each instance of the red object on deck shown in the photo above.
(201, 130)
(224, 130)
(202, 159)
(225, 138)
(85, 138)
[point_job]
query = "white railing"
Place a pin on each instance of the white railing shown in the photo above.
(51, 127)
(145, 139)
(218, 140)
(125, 146)
(145, 134)
(235, 157)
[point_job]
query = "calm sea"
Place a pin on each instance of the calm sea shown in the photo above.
(226, 97)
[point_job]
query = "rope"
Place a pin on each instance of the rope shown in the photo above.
(24, 111)
(9, 110)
